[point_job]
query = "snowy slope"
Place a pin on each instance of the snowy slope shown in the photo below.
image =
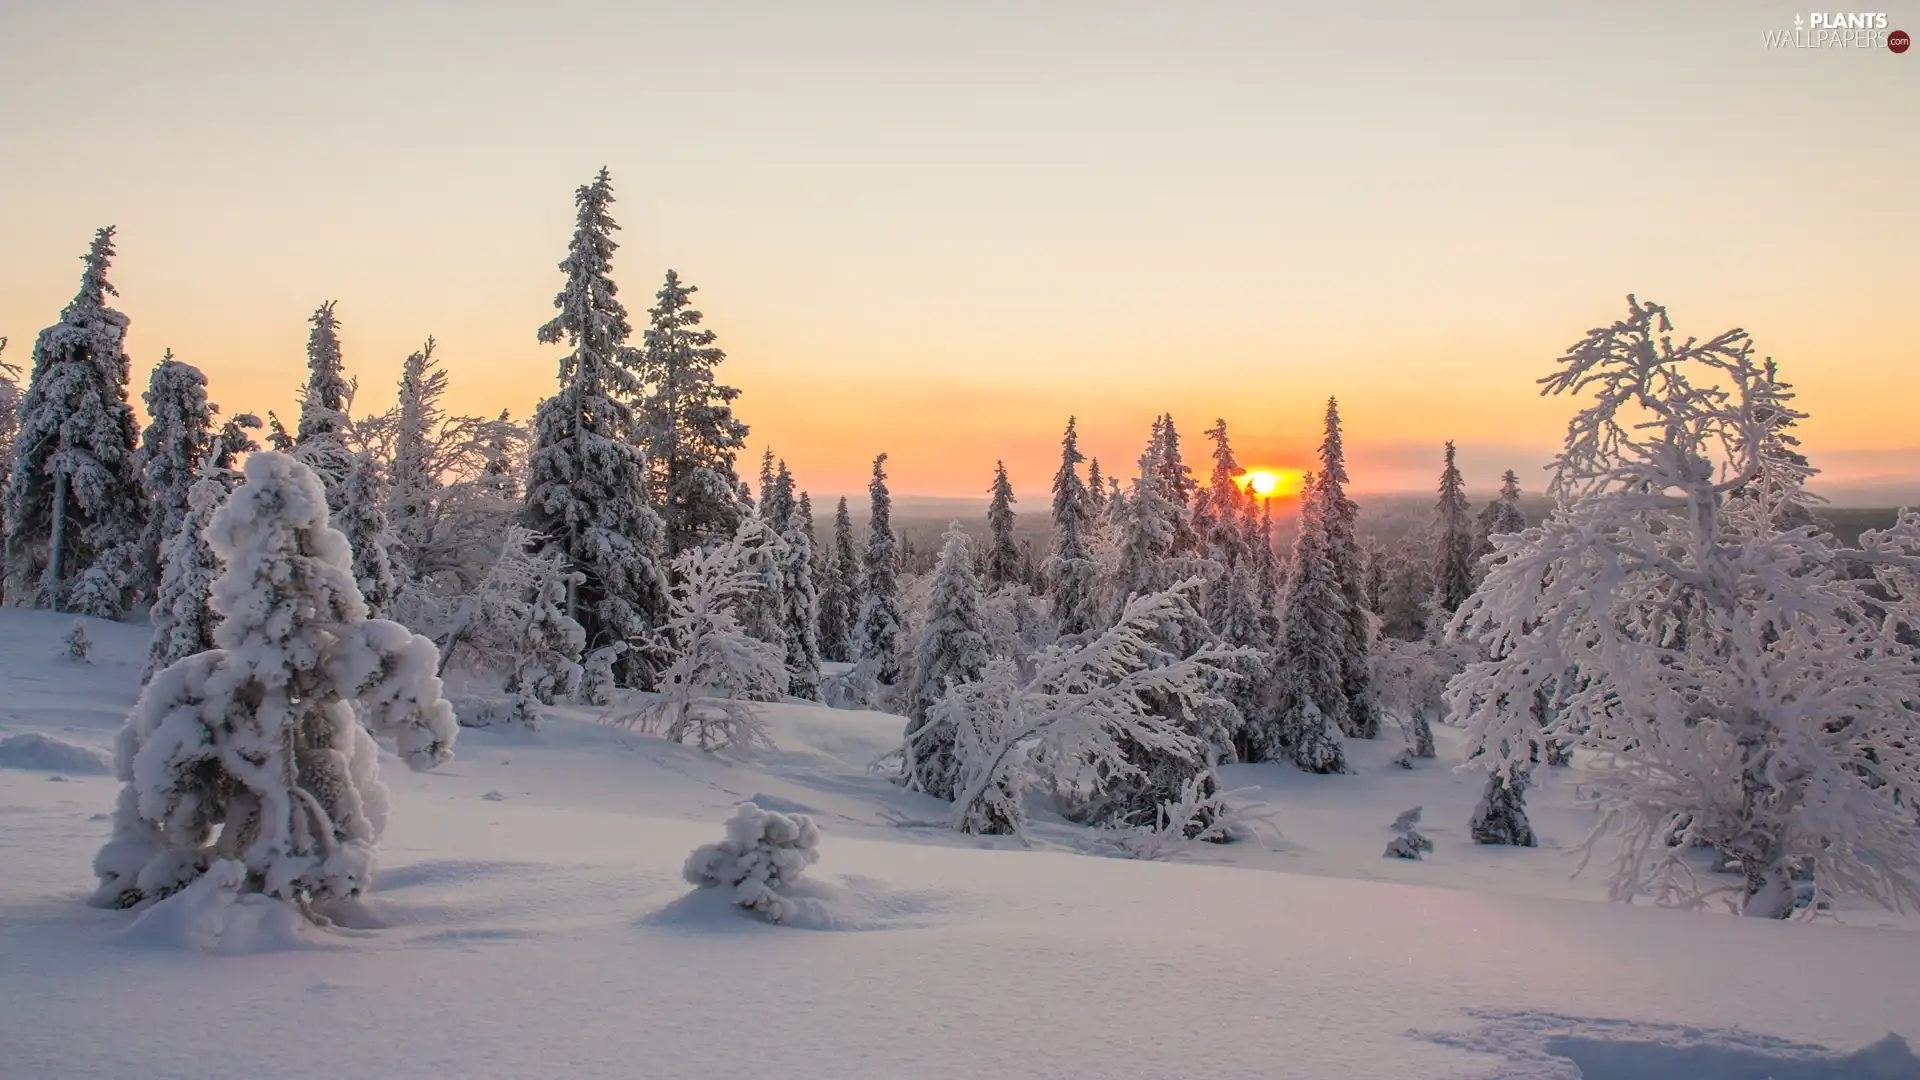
(530, 921)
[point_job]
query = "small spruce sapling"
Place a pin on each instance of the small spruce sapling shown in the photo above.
(79, 646)
(763, 857)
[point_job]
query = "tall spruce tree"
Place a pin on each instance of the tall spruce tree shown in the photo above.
(692, 433)
(839, 594)
(587, 482)
(877, 633)
(1339, 518)
(74, 507)
(1453, 577)
(178, 437)
(1004, 565)
(1306, 725)
(953, 650)
(1070, 569)
(414, 476)
(363, 520)
(1096, 487)
(320, 440)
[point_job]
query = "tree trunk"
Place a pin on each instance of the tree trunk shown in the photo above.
(59, 536)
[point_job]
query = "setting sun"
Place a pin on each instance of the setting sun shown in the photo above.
(1270, 483)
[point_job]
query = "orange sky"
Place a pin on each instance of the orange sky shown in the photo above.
(939, 231)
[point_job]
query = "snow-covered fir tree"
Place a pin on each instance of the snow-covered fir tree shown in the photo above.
(715, 670)
(9, 410)
(1306, 723)
(432, 452)
(363, 520)
(182, 615)
(765, 612)
(1004, 564)
(321, 438)
(1501, 817)
(254, 764)
(78, 646)
(1096, 487)
(839, 592)
(278, 438)
(1070, 724)
(953, 650)
(1339, 521)
(587, 482)
(547, 644)
(74, 505)
(800, 604)
(1453, 539)
(876, 633)
(1498, 518)
(763, 857)
(178, 437)
(691, 430)
(1778, 729)
(1073, 583)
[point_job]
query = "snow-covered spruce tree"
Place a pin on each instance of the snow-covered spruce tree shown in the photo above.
(178, 437)
(1453, 539)
(546, 643)
(1073, 584)
(839, 593)
(434, 455)
(278, 439)
(1004, 565)
(79, 647)
(766, 612)
(1229, 531)
(692, 434)
(247, 763)
(587, 482)
(1498, 518)
(1305, 724)
(1072, 722)
(1778, 729)
(1096, 488)
(715, 670)
(1501, 817)
(9, 410)
(183, 620)
(1340, 517)
(74, 507)
(800, 608)
(876, 634)
(362, 517)
(764, 853)
(953, 650)
(320, 440)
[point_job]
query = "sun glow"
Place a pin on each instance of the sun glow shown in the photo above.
(1270, 483)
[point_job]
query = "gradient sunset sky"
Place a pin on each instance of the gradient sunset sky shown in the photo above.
(937, 229)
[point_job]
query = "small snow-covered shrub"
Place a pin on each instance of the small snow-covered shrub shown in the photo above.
(1407, 820)
(1408, 845)
(79, 646)
(765, 851)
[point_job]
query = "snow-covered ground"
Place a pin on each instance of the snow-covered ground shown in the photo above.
(530, 920)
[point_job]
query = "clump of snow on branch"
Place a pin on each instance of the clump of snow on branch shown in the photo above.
(765, 854)
(1745, 683)
(715, 670)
